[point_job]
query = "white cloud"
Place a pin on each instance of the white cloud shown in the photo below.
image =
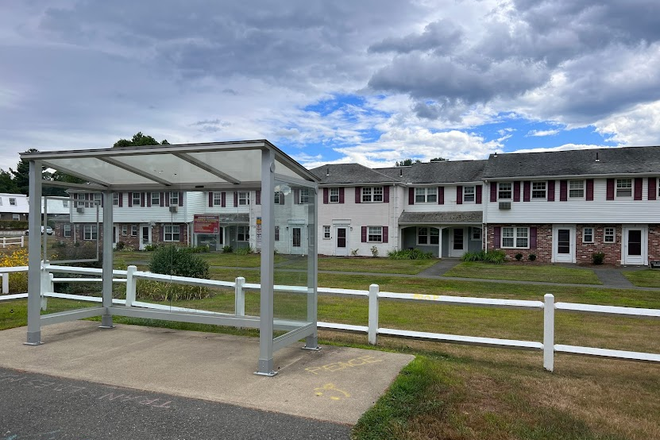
(541, 133)
(638, 126)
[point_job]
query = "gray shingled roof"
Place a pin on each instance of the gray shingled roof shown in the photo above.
(350, 173)
(438, 172)
(434, 218)
(615, 161)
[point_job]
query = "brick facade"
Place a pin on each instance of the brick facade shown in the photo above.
(130, 241)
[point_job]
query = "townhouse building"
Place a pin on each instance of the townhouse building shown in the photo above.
(14, 207)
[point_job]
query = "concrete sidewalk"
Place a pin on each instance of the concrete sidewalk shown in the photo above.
(335, 384)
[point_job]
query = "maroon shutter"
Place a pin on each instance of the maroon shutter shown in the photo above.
(386, 194)
(459, 194)
(358, 194)
(130, 199)
(223, 199)
(143, 197)
(516, 191)
(652, 188)
(563, 190)
(441, 195)
(257, 195)
(532, 238)
(341, 195)
(102, 200)
(167, 199)
(496, 237)
(364, 234)
(121, 199)
(325, 196)
(610, 189)
(281, 198)
(526, 190)
(162, 199)
(296, 196)
(590, 189)
(180, 200)
(411, 196)
(493, 192)
(210, 199)
(551, 190)
(385, 229)
(479, 190)
(149, 200)
(235, 199)
(639, 183)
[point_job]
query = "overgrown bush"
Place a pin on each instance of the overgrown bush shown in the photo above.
(598, 257)
(227, 249)
(495, 257)
(519, 256)
(170, 260)
(120, 246)
(532, 257)
(410, 254)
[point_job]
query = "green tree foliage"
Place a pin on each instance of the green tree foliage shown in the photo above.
(438, 159)
(170, 260)
(7, 184)
(138, 140)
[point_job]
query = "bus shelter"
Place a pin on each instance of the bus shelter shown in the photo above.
(204, 167)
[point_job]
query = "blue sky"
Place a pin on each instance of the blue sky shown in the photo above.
(374, 82)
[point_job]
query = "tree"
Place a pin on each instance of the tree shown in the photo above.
(438, 159)
(7, 184)
(139, 140)
(407, 162)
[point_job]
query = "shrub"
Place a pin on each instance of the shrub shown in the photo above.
(169, 260)
(532, 257)
(519, 256)
(410, 254)
(120, 246)
(152, 247)
(244, 250)
(598, 257)
(227, 249)
(495, 257)
(59, 244)
(18, 281)
(354, 252)
(374, 251)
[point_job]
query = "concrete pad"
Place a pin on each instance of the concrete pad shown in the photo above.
(335, 384)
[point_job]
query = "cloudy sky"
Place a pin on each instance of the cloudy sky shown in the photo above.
(368, 81)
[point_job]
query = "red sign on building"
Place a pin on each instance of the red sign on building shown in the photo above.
(206, 224)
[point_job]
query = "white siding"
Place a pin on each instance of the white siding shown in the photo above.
(450, 204)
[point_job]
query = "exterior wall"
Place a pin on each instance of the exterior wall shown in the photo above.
(21, 206)
(654, 242)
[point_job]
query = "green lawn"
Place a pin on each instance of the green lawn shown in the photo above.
(522, 272)
(644, 278)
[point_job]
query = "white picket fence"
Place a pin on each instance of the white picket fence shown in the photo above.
(375, 296)
(12, 241)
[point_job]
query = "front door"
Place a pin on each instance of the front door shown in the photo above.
(296, 240)
(341, 247)
(115, 236)
(457, 242)
(634, 245)
(145, 236)
(563, 250)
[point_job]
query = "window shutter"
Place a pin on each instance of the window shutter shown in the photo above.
(121, 199)
(493, 191)
(235, 199)
(364, 234)
(358, 194)
(325, 196)
(162, 199)
(551, 190)
(142, 199)
(181, 198)
(149, 200)
(441, 195)
(652, 188)
(130, 199)
(257, 196)
(210, 199)
(459, 195)
(532, 238)
(386, 194)
(610, 189)
(341, 195)
(563, 190)
(167, 199)
(516, 191)
(281, 198)
(102, 200)
(639, 183)
(590, 189)
(296, 196)
(411, 196)
(223, 199)
(526, 190)
(479, 190)
(497, 230)
(385, 233)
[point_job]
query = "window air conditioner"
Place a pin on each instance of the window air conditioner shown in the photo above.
(80, 210)
(173, 209)
(505, 205)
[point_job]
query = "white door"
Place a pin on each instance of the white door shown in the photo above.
(115, 236)
(563, 244)
(145, 236)
(341, 241)
(457, 242)
(296, 240)
(634, 249)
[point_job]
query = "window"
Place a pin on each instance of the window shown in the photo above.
(97, 198)
(513, 237)
(374, 194)
(172, 233)
(15, 216)
(243, 233)
(65, 203)
(277, 232)
(608, 236)
(334, 195)
(468, 194)
(115, 199)
(504, 190)
(326, 232)
(588, 235)
(174, 199)
(538, 190)
(428, 236)
(243, 198)
(66, 230)
(304, 195)
(136, 199)
(296, 237)
(217, 199)
(124, 230)
(12, 201)
(155, 199)
(90, 232)
(278, 198)
(476, 234)
(426, 195)
(375, 234)
(576, 189)
(134, 229)
(623, 187)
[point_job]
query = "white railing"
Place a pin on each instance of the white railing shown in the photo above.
(12, 241)
(374, 295)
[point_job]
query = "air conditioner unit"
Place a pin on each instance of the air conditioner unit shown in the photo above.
(80, 210)
(173, 209)
(505, 205)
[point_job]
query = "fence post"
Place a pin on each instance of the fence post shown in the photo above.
(22, 241)
(130, 285)
(373, 314)
(549, 332)
(46, 286)
(239, 297)
(5, 282)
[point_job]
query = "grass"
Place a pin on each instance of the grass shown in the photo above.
(644, 278)
(520, 272)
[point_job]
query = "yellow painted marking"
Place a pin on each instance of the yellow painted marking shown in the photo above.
(338, 366)
(333, 392)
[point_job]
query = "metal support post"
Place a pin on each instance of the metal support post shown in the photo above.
(34, 256)
(106, 318)
(549, 332)
(373, 314)
(312, 341)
